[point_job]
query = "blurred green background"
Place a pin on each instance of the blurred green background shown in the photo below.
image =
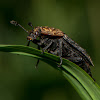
(19, 80)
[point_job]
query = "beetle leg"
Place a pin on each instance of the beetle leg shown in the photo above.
(74, 59)
(38, 49)
(43, 41)
(37, 63)
(60, 51)
(46, 47)
(54, 52)
(28, 43)
(38, 59)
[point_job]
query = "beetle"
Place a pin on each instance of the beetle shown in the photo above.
(58, 43)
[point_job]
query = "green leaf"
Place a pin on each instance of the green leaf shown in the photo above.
(81, 81)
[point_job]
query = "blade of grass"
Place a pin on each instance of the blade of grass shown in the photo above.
(80, 89)
(81, 81)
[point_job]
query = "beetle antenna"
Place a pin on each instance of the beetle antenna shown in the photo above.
(16, 24)
(30, 24)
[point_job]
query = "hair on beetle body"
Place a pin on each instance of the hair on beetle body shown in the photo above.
(56, 42)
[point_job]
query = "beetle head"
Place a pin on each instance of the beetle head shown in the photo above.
(34, 33)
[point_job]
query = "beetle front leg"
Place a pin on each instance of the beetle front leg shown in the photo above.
(28, 43)
(38, 59)
(35, 41)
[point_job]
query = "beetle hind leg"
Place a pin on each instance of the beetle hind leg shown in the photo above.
(60, 52)
(74, 59)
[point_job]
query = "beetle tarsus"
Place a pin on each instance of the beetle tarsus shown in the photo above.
(37, 63)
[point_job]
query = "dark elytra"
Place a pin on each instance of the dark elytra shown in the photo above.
(58, 43)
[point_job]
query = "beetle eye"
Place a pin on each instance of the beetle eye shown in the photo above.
(36, 33)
